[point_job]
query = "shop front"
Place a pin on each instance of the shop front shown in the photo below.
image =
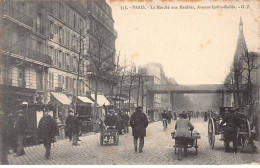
(85, 110)
(102, 106)
(60, 105)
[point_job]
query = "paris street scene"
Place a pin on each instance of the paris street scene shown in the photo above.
(109, 82)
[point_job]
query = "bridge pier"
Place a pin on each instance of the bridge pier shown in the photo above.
(170, 101)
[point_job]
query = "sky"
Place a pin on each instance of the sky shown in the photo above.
(195, 46)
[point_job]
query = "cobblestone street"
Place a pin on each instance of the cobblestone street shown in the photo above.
(158, 149)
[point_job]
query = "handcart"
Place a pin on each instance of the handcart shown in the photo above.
(179, 145)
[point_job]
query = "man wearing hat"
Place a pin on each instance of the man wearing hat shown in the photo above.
(76, 125)
(69, 123)
(230, 133)
(182, 130)
(20, 127)
(47, 129)
(110, 120)
(138, 122)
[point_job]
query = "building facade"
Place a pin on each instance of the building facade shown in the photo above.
(45, 55)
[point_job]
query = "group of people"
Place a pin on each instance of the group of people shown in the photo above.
(118, 119)
(13, 131)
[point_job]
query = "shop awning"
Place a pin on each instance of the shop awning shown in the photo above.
(61, 98)
(85, 99)
(101, 100)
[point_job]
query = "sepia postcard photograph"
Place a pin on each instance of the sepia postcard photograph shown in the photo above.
(129, 82)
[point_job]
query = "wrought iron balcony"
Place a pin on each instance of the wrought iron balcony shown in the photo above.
(32, 54)
(15, 15)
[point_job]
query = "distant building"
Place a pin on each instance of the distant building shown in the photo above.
(239, 74)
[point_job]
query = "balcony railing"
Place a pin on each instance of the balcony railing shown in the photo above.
(15, 14)
(32, 54)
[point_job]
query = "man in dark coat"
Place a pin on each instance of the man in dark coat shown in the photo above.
(20, 127)
(120, 123)
(164, 117)
(76, 125)
(230, 132)
(169, 114)
(139, 122)
(47, 129)
(3, 138)
(126, 121)
(68, 124)
(11, 133)
(110, 120)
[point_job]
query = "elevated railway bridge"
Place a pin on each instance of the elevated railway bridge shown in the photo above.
(182, 89)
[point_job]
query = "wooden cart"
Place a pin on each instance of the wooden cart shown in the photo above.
(214, 128)
(192, 143)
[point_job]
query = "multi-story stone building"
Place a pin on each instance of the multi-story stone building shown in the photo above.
(45, 54)
(102, 46)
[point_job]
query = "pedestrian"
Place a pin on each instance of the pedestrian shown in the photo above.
(76, 126)
(189, 115)
(164, 118)
(20, 127)
(126, 122)
(11, 133)
(110, 119)
(68, 124)
(169, 114)
(120, 123)
(3, 137)
(138, 122)
(230, 132)
(47, 129)
(175, 115)
(205, 116)
(182, 131)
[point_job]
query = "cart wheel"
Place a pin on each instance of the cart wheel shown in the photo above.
(101, 140)
(211, 133)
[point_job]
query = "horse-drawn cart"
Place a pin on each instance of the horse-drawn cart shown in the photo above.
(214, 128)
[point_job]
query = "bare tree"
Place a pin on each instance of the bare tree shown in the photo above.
(101, 59)
(249, 65)
(234, 82)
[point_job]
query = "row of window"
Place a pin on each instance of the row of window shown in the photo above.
(66, 83)
(64, 36)
(70, 17)
(66, 61)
